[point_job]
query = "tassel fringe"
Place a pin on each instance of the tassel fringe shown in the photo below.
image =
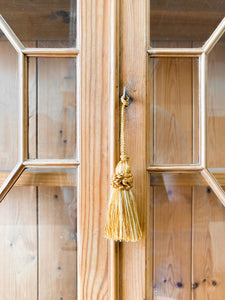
(122, 222)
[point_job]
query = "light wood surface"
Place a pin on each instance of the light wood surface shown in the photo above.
(172, 242)
(56, 206)
(18, 247)
(133, 74)
(42, 179)
(42, 21)
(188, 179)
(174, 144)
(18, 230)
(216, 107)
(208, 245)
(199, 223)
(57, 243)
(93, 276)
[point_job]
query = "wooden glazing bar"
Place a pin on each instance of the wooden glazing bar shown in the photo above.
(175, 52)
(215, 186)
(11, 180)
(51, 163)
(8, 32)
(51, 52)
(213, 39)
(202, 109)
(175, 168)
(23, 116)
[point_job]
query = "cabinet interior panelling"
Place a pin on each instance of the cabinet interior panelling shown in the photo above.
(188, 220)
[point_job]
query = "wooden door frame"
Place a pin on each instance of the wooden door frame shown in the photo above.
(114, 43)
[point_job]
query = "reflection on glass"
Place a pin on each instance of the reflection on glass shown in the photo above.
(9, 105)
(52, 108)
(185, 22)
(188, 246)
(216, 106)
(174, 111)
(38, 233)
(42, 20)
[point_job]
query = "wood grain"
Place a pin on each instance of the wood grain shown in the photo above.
(57, 243)
(9, 108)
(172, 242)
(208, 246)
(57, 214)
(173, 106)
(18, 246)
(174, 101)
(42, 20)
(181, 20)
(216, 107)
(95, 151)
(56, 108)
(133, 74)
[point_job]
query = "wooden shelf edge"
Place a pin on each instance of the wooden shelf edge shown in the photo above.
(193, 179)
(42, 179)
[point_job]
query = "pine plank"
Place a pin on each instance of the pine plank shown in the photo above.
(208, 246)
(174, 127)
(9, 99)
(57, 215)
(57, 234)
(216, 107)
(18, 230)
(173, 105)
(96, 154)
(133, 74)
(172, 243)
(56, 108)
(18, 245)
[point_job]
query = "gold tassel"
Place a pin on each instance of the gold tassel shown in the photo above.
(122, 222)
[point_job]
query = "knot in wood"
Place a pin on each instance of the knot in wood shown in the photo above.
(122, 181)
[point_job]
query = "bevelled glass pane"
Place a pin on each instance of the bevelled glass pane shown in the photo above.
(174, 111)
(9, 106)
(189, 21)
(216, 106)
(52, 108)
(38, 232)
(42, 20)
(187, 245)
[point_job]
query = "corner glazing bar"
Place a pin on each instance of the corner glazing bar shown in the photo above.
(215, 36)
(11, 180)
(8, 32)
(214, 185)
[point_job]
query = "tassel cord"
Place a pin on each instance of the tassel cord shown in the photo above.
(123, 153)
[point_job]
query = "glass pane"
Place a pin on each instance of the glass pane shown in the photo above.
(52, 104)
(174, 112)
(9, 106)
(188, 244)
(42, 20)
(38, 233)
(184, 21)
(216, 106)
